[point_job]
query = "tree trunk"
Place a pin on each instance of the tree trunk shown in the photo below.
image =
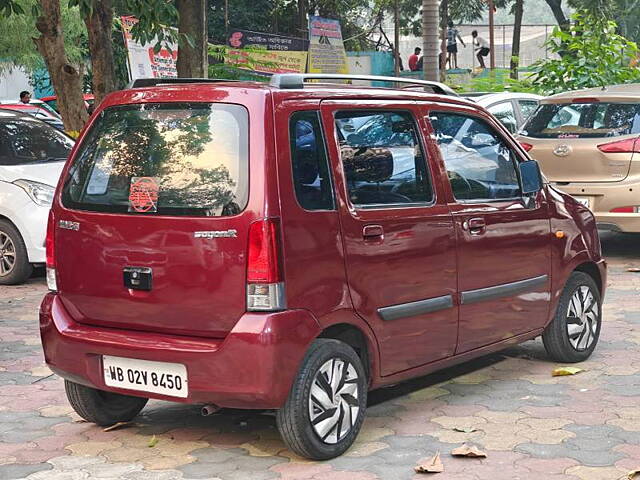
(303, 7)
(99, 25)
(192, 60)
(515, 43)
(444, 19)
(556, 9)
(65, 78)
(430, 40)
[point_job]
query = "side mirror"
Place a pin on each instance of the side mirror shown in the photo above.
(531, 177)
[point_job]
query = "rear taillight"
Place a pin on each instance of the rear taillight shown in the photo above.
(265, 286)
(52, 284)
(630, 145)
(526, 146)
(628, 209)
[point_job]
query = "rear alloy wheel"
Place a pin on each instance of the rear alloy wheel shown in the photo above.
(327, 402)
(573, 334)
(14, 261)
(100, 407)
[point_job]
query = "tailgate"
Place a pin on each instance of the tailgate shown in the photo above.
(156, 227)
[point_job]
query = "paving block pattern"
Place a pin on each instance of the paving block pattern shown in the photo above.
(530, 424)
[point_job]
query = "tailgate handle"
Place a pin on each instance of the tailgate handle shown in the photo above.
(372, 232)
(137, 278)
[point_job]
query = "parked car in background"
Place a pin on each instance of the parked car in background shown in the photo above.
(32, 155)
(291, 246)
(512, 109)
(588, 144)
(52, 101)
(40, 111)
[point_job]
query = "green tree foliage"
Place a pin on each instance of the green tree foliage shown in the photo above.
(19, 28)
(593, 55)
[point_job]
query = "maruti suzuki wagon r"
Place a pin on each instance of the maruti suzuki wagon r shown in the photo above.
(292, 246)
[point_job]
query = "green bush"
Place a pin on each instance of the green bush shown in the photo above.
(590, 54)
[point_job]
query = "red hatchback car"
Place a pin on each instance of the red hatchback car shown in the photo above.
(292, 246)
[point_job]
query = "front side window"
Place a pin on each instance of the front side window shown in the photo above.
(584, 120)
(382, 158)
(165, 159)
(311, 178)
(25, 141)
(480, 165)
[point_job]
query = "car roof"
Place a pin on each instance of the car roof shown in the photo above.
(320, 91)
(491, 98)
(10, 114)
(611, 93)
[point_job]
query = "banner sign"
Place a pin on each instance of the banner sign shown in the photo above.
(326, 50)
(246, 38)
(143, 61)
(267, 61)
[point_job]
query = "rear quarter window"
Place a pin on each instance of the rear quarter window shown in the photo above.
(584, 120)
(165, 159)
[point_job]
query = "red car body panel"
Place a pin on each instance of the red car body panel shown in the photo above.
(196, 314)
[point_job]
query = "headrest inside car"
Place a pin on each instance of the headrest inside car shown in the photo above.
(305, 168)
(371, 165)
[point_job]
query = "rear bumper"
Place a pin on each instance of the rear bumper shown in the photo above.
(605, 196)
(253, 367)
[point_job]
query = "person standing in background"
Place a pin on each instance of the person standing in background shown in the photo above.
(25, 97)
(453, 35)
(481, 48)
(413, 59)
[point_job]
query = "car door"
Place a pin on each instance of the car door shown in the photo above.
(397, 231)
(504, 256)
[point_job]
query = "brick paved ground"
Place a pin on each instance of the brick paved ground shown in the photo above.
(532, 425)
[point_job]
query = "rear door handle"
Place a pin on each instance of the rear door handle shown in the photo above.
(475, 226)
(372, 232)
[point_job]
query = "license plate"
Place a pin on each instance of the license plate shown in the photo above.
(586, 201)
(146, 376)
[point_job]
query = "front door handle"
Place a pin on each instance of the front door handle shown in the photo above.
(372, 232)
(475, 226)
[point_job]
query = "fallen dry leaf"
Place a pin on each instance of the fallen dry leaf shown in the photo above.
(634, 474)
(432, 465)
(562, 371)
(115, 426)
(153, 442)
(468, 451)
(464, 429)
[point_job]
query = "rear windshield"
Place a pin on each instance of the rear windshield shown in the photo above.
(31, 141)
(163, 159)
(584, 120)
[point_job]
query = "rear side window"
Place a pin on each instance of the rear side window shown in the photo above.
(311, 178)
(480, 165)
(584, 120)
(505, 114)
(165, 159)
(382, 158)
(30, 141)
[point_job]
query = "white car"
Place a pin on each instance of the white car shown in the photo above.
(32, 155)
(511, 108)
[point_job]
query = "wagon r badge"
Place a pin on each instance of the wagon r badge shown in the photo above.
(216, 234)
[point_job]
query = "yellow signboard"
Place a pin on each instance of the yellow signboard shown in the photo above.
(326, 50)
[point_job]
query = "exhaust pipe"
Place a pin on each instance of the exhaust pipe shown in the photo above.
(209, 409)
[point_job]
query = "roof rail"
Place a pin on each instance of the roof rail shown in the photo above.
(297, 80)
(152, 82)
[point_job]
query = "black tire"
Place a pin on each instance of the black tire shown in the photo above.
(556, 337)
(294, 419)
(100, 407)
(21, 269)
